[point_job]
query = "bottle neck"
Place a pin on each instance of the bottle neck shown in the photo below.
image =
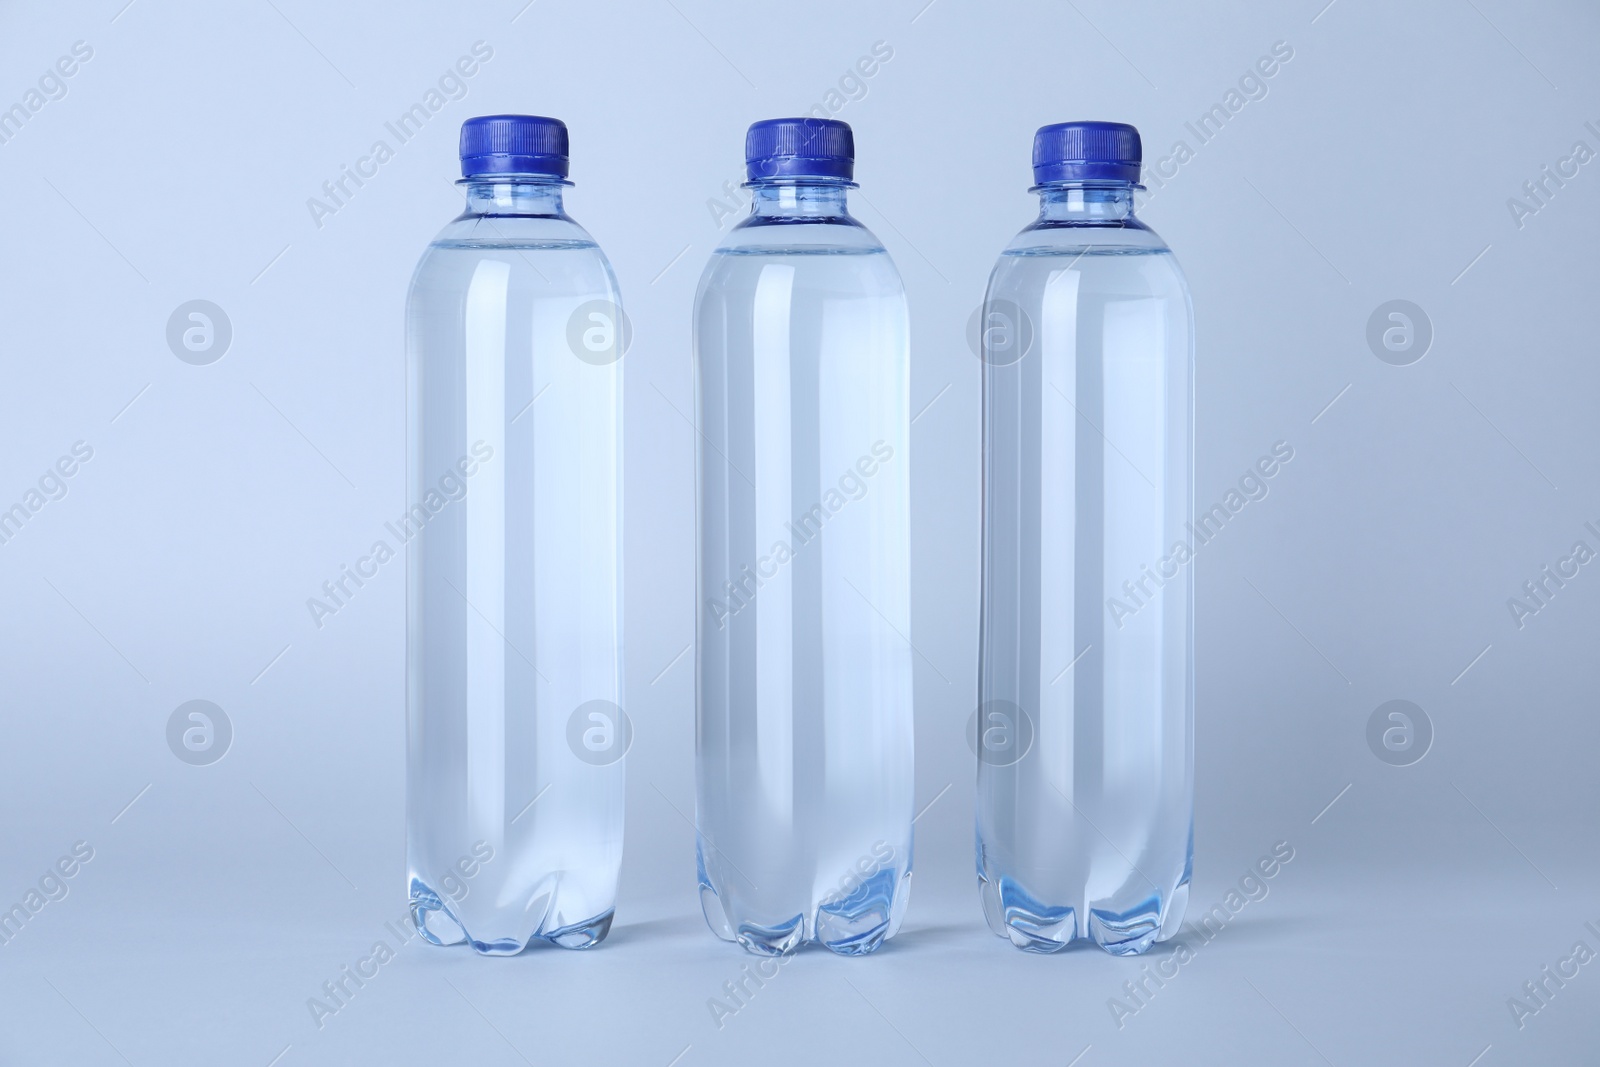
(1086, 202)
(791, 199)
(502, 194)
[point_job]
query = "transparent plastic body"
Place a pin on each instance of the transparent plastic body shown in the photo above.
(803, 666)
(515, 739)
(1084, 730)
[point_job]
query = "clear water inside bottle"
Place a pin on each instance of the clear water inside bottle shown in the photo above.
(513, 539)
(1085, 722)
(804, 670)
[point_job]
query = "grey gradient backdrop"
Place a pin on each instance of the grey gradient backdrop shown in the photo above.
(1377, 166)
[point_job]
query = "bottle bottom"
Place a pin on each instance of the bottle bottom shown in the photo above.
(850, 925)
(1033, 925)
(439, 924)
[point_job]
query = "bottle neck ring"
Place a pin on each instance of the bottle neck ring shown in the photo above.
(799, 198)
(1086, 201)
(518, 194)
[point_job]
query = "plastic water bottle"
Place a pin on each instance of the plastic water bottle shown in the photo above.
(1084, 730)
(803, 670)
(516, 734)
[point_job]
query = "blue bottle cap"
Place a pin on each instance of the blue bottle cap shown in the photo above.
(800, 148)
(1086, 151)
(513, 144)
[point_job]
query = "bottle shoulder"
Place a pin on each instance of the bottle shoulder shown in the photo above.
(470, 230)
(1130, 261)
(1129, 236)
(551, 254)
(835, 246)
(800, 235)
(818, 263)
